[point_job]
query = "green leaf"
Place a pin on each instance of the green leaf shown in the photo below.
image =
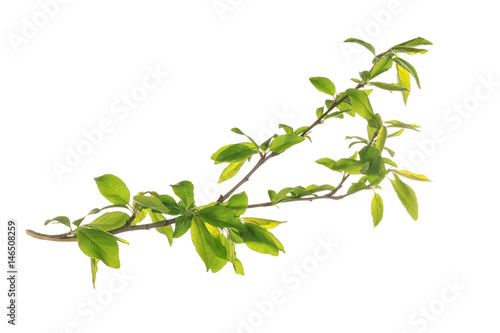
(324, 85)
(236, 152)
(110, 221)
(368, 46)
(264, 223)
(415, 42)
(184, 190)
(377, 209)
(265, 145)
(398, 124)
(238, 267)
(272, 195)
(166, 230)
(238, 131)
(407, 197)
(221, 217)
(360, 103)
(359, 186)
(238, 203)
(113, 189)
(392, 153)
(315, 188)
(381, 66)
(411, 175)
(343, 165)
(283, 142)
(301, 130)
(408, 50)
(203, 242)
(235, 237)
(259, 240)
(368, 154)
(151, 202)
(282, 194)
(99, 244)
(390, 162)
(320, 111)
(93, 266)
(376, 172)
(365, 75)
(60, 219)
(182, 225)
(230, 171)
(170, 203)
(388, 86)
(382, 137)
(286, 128)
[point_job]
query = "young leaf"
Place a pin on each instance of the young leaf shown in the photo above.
(397, 133)
(231, 170)
(368, 46)
(282, 194)
(184, 190)
(405, 66)
(407, 196)
(319, 111)
(324, 85)
(377, 209)
(238, 267)
(99, 244)
(388, 86)
(238, 131)
(60, 219)
(272, 195)
(390, 162)
(221, 217)
(415, 42)
(110, 221)
(409, 50)
(283, 142)
(403, 80)
(398, 124)
(166, 230)
(93, 266)
(151, 202)
(236, 152)
(360, 103)
(411, 175)
(264, 223)
(286, 128)
(182, 225)
(139, 216)
(382, 137)
(238, 203)
(381, 66)
(203, 242)
(259, 240)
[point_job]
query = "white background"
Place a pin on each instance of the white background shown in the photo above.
(249, 67)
